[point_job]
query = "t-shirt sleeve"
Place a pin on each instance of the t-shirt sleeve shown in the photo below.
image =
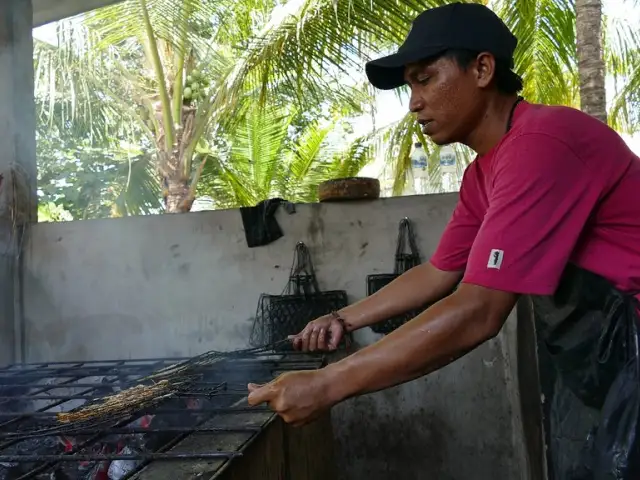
(456, 241)
(541, 200)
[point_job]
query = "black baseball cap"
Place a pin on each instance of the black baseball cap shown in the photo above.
(469, 26)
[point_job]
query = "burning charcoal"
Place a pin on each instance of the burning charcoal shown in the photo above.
(154, 441)
(139, 440)
(120, 468)
(88, 469)
(142, 422)
(99, 471)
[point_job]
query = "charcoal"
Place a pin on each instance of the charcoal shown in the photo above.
(121, 468)
(29, 446)
(34, 434)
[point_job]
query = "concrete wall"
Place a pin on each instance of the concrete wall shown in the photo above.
(17, 161)
(183, 284)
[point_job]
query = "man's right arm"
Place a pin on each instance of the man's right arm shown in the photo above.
(419, 286)
(415, 288)
(424, 284)
(433, 280)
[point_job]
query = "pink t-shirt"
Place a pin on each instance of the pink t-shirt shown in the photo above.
(560, 187)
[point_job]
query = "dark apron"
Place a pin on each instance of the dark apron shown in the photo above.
(590, 373)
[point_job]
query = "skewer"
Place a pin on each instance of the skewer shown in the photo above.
(166, 383)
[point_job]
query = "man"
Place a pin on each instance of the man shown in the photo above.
(550, 209)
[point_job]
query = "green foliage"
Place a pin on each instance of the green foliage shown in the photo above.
(259, 163)
(622, 58)
(50, 212)
(272, 87)
(93, 181)
(546, 53)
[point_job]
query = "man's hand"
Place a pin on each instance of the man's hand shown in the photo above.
(298, 397)
(420, 285)
(443, 333)
(324, 333)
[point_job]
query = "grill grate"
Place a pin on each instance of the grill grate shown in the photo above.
(34, 445)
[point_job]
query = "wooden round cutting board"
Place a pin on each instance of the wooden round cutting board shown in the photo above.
(352, 188)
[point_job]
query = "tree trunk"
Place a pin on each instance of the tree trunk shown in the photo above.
(593, 99)
(178, 195)
(177, 199)
(175, 187)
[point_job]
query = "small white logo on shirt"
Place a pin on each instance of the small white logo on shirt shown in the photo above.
(495, 259)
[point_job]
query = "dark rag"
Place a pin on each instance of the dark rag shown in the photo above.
(260, 224)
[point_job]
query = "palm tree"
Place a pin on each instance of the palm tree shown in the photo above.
(262, 163)
(591, 65)
(186, 76)
(175, 78)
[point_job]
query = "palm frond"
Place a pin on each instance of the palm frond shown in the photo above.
(139, 189)
(257, 146)
(545, 56)
(310, 47)
(306, 164)
(621, 42)
(78, 91)
(282, 75)
(261, 164)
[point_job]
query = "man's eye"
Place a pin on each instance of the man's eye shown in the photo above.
(423, 80)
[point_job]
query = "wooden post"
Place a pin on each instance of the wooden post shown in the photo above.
(18, 198)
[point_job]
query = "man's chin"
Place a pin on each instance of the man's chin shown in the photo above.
(439, 140)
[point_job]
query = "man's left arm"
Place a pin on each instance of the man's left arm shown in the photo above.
(542, 198)
(443, 333)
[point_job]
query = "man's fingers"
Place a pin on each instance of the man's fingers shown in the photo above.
(322, 339)
(295, 341)
(254, 386)
(305, 339)
(335, 334)
(313, 339)
(258, 394)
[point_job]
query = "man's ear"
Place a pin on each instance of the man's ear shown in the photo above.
(485, 68)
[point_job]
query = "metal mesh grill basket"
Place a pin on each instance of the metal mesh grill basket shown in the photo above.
(279, 316)
(376, 282)
(403, 262)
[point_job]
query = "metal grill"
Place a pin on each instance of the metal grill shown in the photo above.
(203, 429)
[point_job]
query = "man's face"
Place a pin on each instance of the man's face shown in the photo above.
(446, 99)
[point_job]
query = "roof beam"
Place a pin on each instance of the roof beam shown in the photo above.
(47, 11)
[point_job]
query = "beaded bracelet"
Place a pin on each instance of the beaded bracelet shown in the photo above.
(339, 318)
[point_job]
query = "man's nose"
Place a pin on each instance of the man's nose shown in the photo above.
(415, 103)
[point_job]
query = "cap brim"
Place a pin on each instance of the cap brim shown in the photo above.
(387, 73)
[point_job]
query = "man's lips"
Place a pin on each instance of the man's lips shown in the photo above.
(425, 124)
